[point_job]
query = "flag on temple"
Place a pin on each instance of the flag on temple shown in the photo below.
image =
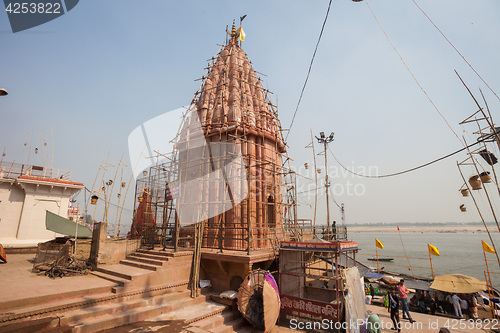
(433, 250)
(241, 34)
(379, 244)
(487, 247)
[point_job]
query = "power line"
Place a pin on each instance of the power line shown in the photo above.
(411, 73)
(309, 71)
(453, 46)
(408, 170)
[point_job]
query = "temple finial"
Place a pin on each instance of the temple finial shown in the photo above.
(233, 32)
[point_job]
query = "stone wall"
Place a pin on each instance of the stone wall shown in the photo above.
(109, 251)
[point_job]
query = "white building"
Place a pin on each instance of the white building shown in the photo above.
(26, 192)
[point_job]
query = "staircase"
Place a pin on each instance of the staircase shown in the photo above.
(150, 289)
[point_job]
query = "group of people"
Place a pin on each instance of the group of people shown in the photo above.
(430, 302)
(453, 304)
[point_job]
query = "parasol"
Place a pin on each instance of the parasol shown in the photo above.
(259, 300)
(458, 283)
(3, 256)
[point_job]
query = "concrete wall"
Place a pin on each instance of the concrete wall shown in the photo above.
(11, 206)
(23, 203)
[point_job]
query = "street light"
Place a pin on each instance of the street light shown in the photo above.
(326, 140)
(3, 92)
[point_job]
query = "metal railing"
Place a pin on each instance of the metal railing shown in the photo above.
(236, 238)
(14, 170)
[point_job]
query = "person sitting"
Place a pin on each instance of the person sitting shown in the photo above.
(430, 302)
(421, 306)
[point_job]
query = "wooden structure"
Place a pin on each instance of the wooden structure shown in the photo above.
(312, 280)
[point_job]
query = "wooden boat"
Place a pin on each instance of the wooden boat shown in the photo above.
(380, 259)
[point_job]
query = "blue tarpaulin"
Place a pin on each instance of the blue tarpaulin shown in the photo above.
(373, 275)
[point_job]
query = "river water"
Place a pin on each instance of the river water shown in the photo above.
(460, 252)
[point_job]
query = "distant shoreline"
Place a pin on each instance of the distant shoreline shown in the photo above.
(419, 229)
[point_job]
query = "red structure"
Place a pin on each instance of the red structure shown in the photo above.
(143, 217)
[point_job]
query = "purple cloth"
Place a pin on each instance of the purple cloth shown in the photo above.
(270, 279)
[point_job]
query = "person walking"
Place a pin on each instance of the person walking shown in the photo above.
(455, 300)
(394, 306)
(403, 294)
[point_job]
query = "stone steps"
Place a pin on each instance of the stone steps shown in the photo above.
(80, 317)
(140, 292)
(214, 321)
(123, 272)
(231, 326)
(149, 257)
(153, 307)
(139, 264)
(119, 281)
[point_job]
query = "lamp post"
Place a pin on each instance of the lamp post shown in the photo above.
(326, 140)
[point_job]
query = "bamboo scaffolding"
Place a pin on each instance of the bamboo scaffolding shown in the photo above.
(479, 211)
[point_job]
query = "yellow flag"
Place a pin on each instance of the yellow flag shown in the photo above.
(433, 250)
(487, 248)
(379, 244)
(241, 34)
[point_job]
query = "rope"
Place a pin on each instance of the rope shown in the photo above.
(408, 170)
(412, 75)
(406, 255)
(449, 42)
(309, 71)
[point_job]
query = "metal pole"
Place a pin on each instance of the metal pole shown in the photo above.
(327, 196)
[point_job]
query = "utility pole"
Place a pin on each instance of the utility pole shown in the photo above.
(326, 140)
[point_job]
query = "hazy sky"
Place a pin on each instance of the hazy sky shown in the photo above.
(105, 67)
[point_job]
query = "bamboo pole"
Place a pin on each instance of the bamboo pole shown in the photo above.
(376, 251)
(126, 191)
(432, 270)
(484, 187)
(113, 184)
(118, 204)
(52, 161)
(489, 157)
(490, 295)
(29, 151)
(479, 211)
(3, 154)
(404, 249)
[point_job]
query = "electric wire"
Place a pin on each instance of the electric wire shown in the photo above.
(309, 71)
(453, 46)
(412, 75)
(404, 171)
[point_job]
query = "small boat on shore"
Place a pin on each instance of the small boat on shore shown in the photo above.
(381, 259)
